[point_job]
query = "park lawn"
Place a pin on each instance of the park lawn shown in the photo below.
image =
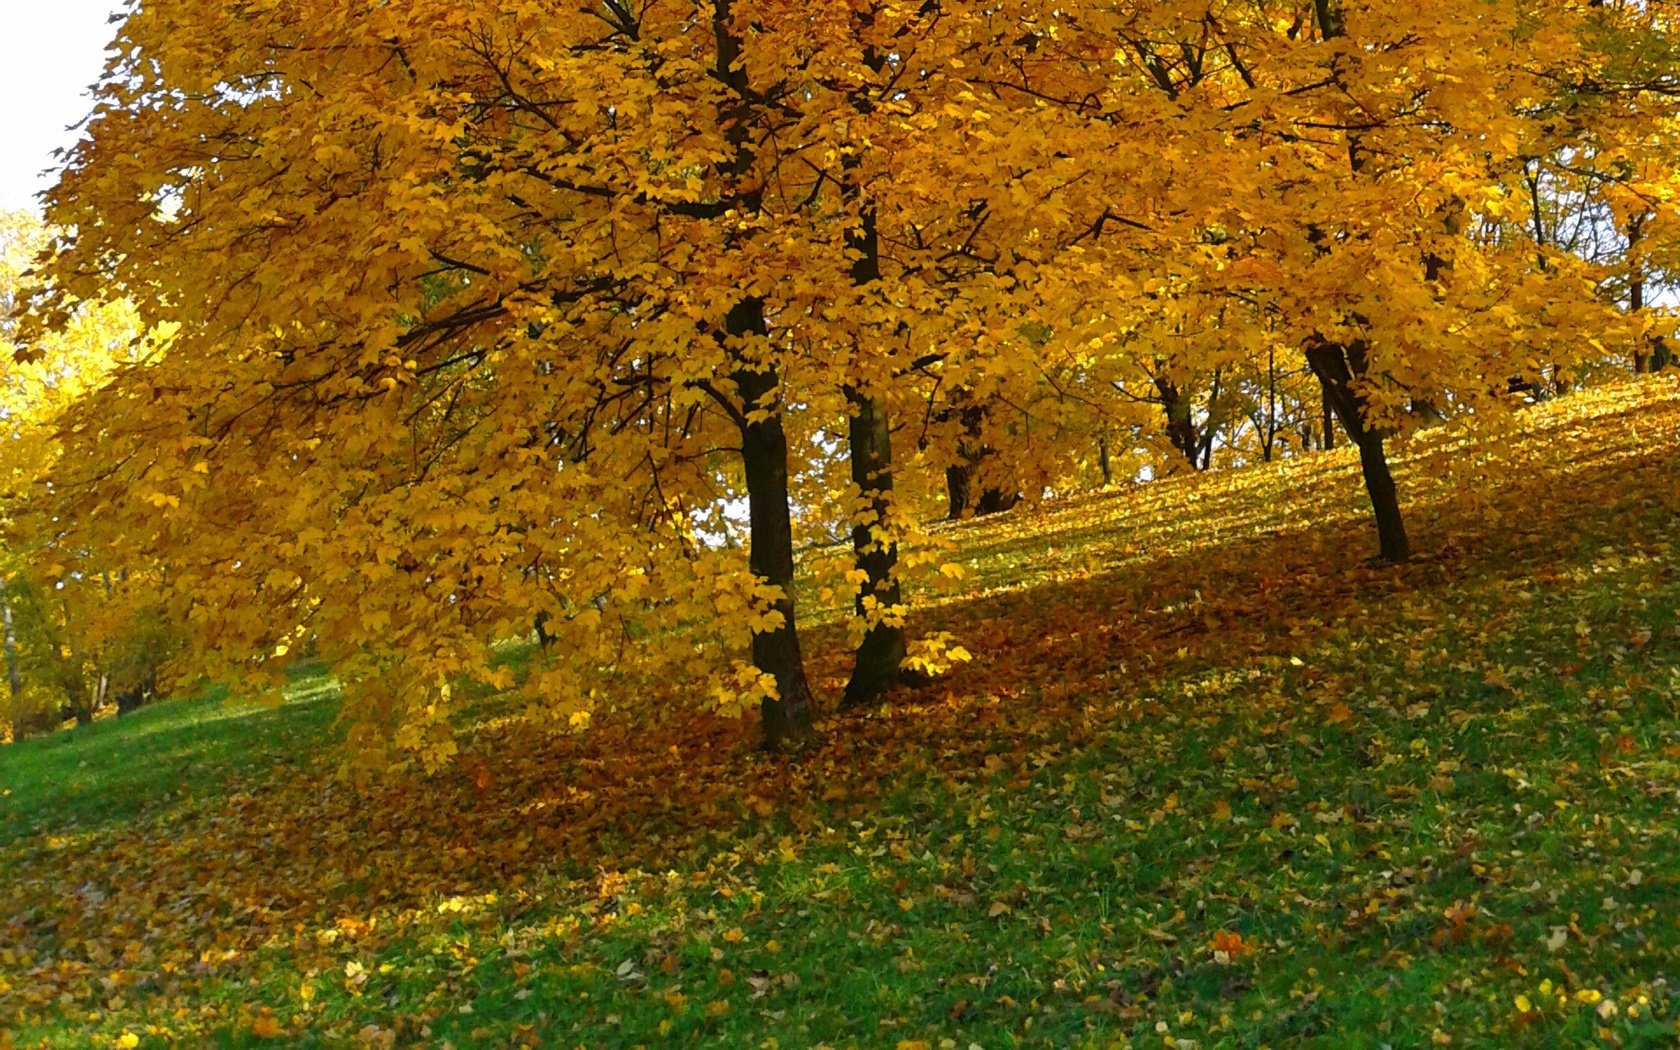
(1212, 779)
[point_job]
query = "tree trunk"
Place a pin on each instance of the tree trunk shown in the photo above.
(14, 673)
(1636, 292)
(959, 478)
(880, 657)
(787, 720)
(1636, 304)
(1181, 425)
(878, 663)
(1105, 462)
(78, 704)
(1385, 499)
(138, 694)
(1329, 421)
(1336, 368)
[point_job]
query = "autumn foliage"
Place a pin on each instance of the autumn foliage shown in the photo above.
(487, 316)
(612, 370)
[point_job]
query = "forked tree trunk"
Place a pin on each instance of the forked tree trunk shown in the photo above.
(1336, 368)
(1181, 423)
(787, 720)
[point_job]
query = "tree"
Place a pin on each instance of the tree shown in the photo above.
(74, 639)
(1361, 150)
(488, 312)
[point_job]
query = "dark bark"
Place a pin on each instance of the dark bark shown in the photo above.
(975, 456)
(787, 721)
(1181, 423)
(1636, 304)
(880, 657)
(1385, 500)
(139, 694)
(1336, 368)
(878, 663)
(1269, 432)
(1642, 355)
(79, 703)
(1329, 421)
(1105, 461)
(959, 480)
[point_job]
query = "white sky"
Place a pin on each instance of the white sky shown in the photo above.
(50, 52)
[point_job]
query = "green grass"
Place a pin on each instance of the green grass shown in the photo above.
(116, 770)
(1439, 805)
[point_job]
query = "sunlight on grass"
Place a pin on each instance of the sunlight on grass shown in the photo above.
(1213, 777)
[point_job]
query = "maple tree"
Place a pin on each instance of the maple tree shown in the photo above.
(473, 302)
(73, 640)
(488, 315)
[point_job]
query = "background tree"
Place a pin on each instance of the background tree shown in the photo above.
(76, 640)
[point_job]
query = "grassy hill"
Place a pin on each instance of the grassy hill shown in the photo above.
(1213, 779)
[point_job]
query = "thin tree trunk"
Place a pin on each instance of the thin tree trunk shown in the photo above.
(1636, 292)
(14, 673)
(1636, 304)
(1329, 420)
(1269, 435)
(1336, 368)
(787, 720)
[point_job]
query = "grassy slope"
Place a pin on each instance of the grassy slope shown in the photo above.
(1212, 779)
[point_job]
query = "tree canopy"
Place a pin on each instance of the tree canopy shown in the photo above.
(489, 316)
